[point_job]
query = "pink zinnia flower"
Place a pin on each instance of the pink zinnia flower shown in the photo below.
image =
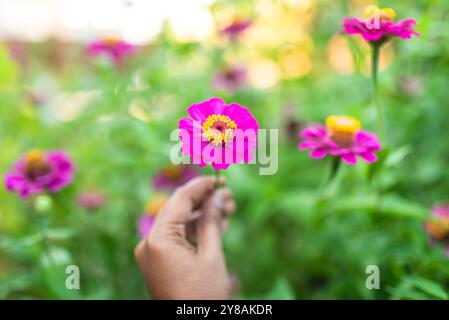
(218, 133)
(341, 137)
(438, 227)
(39, 171)
(146, 221)
(379, 25)
(236, 28)
(230, 79)
(91, 199)
(114, 48)
(145, 224)
(173, 176)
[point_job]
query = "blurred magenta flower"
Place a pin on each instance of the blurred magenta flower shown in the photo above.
(112, 47)
(91, 199)
(173, 176)
(145, 224)
(40, 171)
(379, 26)
(218, 133)
(146, 221)
(438, 227)
(230, 79)
(236, 28)
(341, 137)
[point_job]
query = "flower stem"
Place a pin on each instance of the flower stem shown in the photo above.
(375, 50)
(335, 165)
(327, 187)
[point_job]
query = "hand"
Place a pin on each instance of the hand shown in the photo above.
(182, 257)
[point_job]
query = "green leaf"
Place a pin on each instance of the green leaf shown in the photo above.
(430, 287)
(397, 156)
(54, 273)
(281, 291)
(374, 168)
(396, 206)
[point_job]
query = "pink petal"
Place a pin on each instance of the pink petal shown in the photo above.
(309, 144)
(369, 157)
(349, 158)
(313, 132)
(200, 111)
(220, 166)
(318, 153)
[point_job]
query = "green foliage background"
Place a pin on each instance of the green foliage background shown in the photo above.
(290, 238)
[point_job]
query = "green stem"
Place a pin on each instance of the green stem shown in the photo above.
(43, 232)
(38, 214)
(333, 170)
(327, 188)
(375, 50)
(335, 165)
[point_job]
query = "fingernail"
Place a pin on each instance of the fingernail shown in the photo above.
(217, 201)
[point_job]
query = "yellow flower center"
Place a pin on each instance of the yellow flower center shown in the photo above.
(438, 229)
(155, 205)
(382, 13)
(173, 172)
(218, 129)
(342, 129)
(36, 165)
(34, 155)
(111, 40)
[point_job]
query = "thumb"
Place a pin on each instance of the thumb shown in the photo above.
(209, 229)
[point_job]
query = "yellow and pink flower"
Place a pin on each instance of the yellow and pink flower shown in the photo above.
(152, 209)
(379, 25)
(173, 176)
(218, 133)
(230, 79)
(38, 171)
(438, 226)
(114, 48)
(341, 137)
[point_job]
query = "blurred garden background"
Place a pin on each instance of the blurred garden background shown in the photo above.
(290, 64)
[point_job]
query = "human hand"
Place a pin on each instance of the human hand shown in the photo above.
(182, 257)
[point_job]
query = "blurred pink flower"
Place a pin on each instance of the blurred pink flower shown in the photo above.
(145, 224)
(218, 133)
(152, 208)
(236, 28)
(379, 25)
(173, 176)
(91, 199)
(230, 79)
(114, 48)
(438, 226)
(40, 171)
(341, 137)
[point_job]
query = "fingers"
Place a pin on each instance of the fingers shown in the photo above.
(209, 230)
(213, 221)
(181, 206)
(222, 200)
